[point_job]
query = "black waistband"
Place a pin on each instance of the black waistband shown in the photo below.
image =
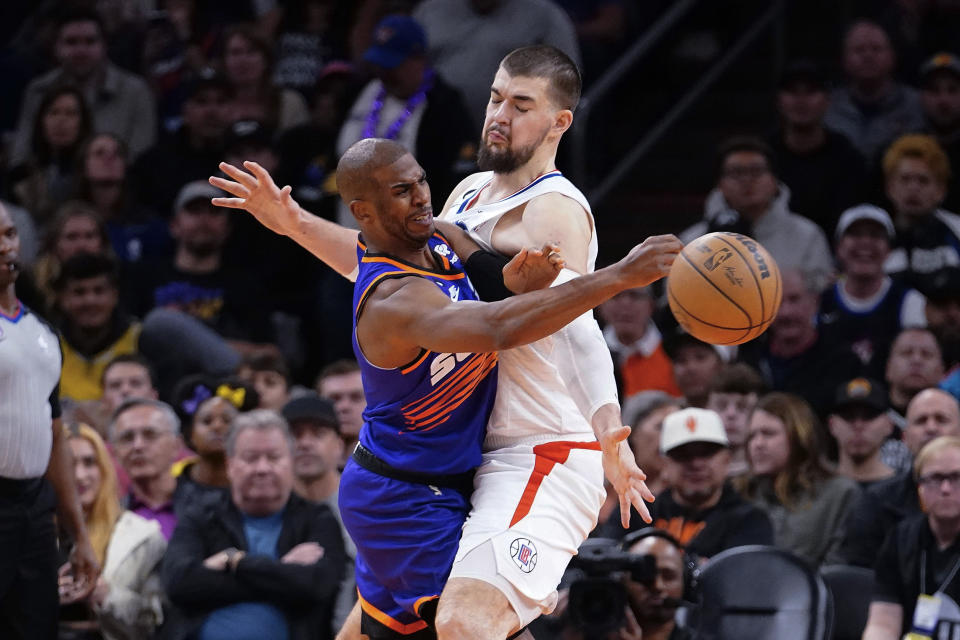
(462, 482)
(16, 487)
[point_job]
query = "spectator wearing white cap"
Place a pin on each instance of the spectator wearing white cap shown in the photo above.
(790, 480)
(701, 509)
(865, 308)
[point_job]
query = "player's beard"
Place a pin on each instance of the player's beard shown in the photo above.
(507, 160)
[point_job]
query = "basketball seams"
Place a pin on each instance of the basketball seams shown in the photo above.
(748, 328)
(756, 280)
(719, 290)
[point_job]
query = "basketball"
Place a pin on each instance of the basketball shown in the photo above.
(724, 288)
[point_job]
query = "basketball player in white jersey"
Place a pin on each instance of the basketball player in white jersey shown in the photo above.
(539, 491)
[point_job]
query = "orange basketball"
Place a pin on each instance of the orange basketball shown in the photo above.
(724, 288)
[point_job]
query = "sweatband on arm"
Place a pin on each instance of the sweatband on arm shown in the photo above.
(485, 270)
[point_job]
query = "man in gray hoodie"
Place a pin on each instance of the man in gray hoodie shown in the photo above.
(749, 199)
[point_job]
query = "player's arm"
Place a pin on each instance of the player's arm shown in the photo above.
(404, 315)
(495, 276)
(556, 219)
(276, 209)
(581, 354)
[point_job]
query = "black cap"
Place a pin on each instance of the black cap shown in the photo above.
(311, 407)
(941, 285)
(861, 392)
(248, 133)
(942, 62)
(805, 72)
(205, 78)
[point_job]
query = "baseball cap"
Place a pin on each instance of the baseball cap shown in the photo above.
(864, 212)
(205, 78)
(311, 406)
(692, 425)
(942, 61)
(803, 71)
(941, 285)
(196, 190)
(862, 392)
(247, 133)
(396, 38)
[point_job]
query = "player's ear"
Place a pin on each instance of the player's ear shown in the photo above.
(362, 210)
(562, 120)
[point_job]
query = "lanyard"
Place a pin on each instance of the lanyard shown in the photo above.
(923, 573)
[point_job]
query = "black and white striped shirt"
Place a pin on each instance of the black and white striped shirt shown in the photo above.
(30, 362)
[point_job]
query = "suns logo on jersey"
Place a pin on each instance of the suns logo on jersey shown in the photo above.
(443, 364)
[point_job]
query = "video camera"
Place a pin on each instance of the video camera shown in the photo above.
(598, 600)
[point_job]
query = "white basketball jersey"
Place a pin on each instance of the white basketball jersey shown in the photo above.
(532, 403)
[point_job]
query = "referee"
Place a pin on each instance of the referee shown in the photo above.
(35, 468)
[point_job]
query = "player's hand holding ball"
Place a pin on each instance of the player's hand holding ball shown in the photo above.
(724, 288)
(650, 260)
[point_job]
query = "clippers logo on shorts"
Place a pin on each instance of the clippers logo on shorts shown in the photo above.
(524, 554)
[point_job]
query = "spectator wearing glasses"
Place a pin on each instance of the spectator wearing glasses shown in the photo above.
(145, 435)
(749, 199)
(921, 556)
(932, 413)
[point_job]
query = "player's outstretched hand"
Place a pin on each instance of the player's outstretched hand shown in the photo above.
(257, 193)
(533, 269)
(620, 467)
(649, 261)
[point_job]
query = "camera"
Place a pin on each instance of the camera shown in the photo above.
(598, 600)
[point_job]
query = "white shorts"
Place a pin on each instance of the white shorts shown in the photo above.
(535, 505)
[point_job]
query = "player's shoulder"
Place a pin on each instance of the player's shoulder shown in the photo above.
(471, 182)
(554, 208)
(400, 286)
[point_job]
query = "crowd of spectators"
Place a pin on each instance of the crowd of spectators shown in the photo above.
(209, 394)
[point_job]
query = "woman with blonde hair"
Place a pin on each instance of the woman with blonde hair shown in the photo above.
(126, 603)
(790, 479)
(76, 228)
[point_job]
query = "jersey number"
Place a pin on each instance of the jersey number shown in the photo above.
(443, 364)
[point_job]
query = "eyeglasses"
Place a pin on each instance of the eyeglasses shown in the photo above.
(748, 171)
(936, 480)
(149, 434)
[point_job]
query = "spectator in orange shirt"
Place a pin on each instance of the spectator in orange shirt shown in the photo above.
(636, 344)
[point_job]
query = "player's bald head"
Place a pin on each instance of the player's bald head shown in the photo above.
(355, 179)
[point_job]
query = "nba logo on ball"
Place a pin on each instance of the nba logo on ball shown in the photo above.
(524, 554)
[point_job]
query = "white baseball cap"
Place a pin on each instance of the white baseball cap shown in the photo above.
(692, 425)
(865, 212)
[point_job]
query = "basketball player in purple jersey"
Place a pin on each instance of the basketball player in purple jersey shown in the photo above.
(562, 422)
